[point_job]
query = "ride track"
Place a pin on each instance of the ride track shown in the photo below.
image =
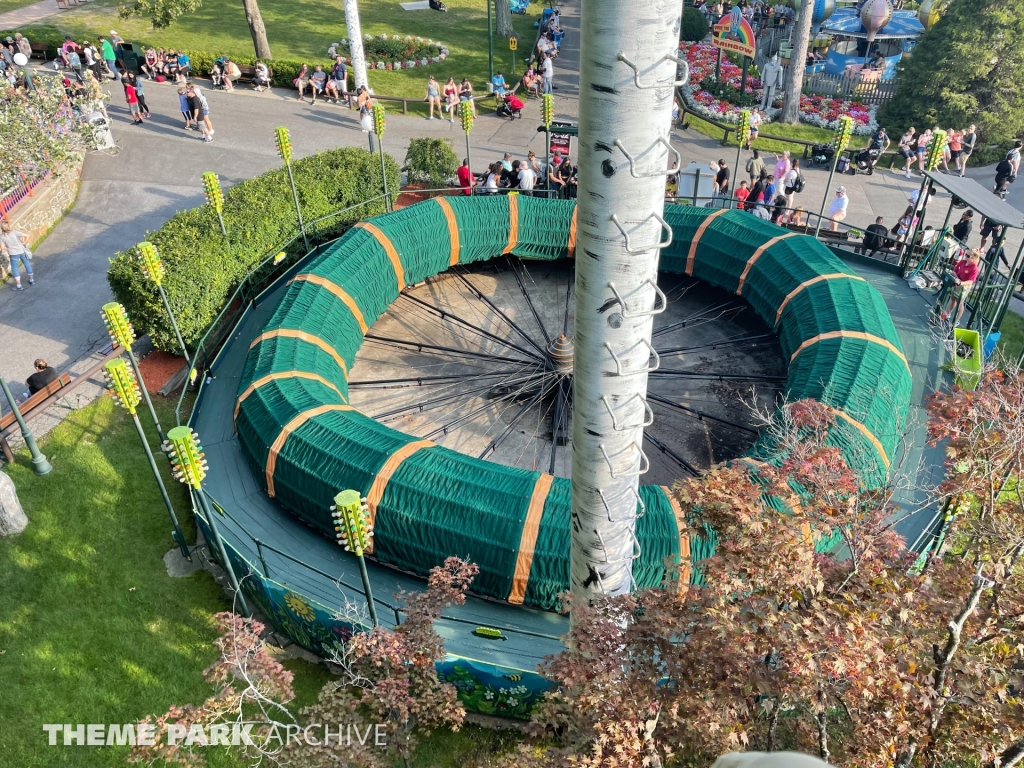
(304, 441)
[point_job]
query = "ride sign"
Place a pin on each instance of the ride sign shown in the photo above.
(735, 37)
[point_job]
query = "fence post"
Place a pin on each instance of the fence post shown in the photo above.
(259, 550)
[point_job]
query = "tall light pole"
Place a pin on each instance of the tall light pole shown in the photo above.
(126, 393)
(284, 149)
(115, 317)
(629, 52)
(40, 465)
(215, 198)
(354, 532)
(379, 124)
(466, 115)
(188, 466)
(153, 268)
(355, 44)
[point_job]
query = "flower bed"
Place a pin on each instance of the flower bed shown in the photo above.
(821, 111)
(394, 51)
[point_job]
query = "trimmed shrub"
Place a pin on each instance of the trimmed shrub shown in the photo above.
(431, 160)
(695, 26)
(202, 269)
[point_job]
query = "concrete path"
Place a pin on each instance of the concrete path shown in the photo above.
(157, 171)
(29, 14)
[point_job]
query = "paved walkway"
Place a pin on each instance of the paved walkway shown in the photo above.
(157, 171)
(29, 14)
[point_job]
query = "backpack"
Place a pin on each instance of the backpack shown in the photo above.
(798, 185)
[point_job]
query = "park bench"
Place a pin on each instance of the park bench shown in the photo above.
(65, 5)
(8, 424)
(39, 50)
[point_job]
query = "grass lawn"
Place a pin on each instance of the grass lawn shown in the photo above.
(93, 630)
(10, 5)
(1011, 343)
(803, 131)
(303, 30)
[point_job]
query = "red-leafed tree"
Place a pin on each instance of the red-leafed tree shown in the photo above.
(856, 654)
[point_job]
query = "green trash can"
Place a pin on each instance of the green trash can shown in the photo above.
(132, 57)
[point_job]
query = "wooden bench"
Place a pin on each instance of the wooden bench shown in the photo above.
(807, 229)
(39, 50)
(8, 424)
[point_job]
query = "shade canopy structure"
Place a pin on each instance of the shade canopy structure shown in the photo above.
(979, 198)
(904, 24)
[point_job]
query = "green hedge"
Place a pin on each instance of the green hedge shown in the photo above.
(202, 269)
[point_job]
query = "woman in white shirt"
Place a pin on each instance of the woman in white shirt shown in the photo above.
(493, 175)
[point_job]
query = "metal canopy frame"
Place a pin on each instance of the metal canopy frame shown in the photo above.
(996, 210)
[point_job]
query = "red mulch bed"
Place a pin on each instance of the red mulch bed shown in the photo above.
(157, 367)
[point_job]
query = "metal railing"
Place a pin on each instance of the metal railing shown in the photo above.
(22, 190)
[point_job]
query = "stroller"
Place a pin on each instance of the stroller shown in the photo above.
(865, 162)
(217, 71)
(821, 154)
(510, 107)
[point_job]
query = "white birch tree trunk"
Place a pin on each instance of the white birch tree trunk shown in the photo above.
(607, 450)
(355, 44)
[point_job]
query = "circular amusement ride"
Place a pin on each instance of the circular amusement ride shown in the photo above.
(519, 381)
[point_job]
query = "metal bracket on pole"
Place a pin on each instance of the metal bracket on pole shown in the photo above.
(648, 369)
(648, 417)
(667, 57)
(632, 160)
(625, 234)
(608, 511)
(643, 464)
(636, 549)
(658, 294)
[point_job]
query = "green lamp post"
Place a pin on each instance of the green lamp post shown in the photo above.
(354, 533)
(466, 114)
(40, 465)
(379, 124)
(284, 149)
(122, 333)
(547, 114)
(188, 466)
(126, 393)
(841, 140)
(932, 158)
(153, 268)
(742, 137)
(215, 198)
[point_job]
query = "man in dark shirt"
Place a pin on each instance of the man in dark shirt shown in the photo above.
(875, 237)
(963, 228)
(721, 179)
(43, 376)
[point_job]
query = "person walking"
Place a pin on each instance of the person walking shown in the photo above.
(1006, 171)
(132, 98)
(837, 210)
(969, 141)
(433, 97)
(754, 166)
(956, 147)
(755, 126)
(186, 108)
(15, 245)
(109, 59)
(922, 148)
(547, 73)
(782, 165)
(907, 150)
(793, 183)
(201, 110)
(137, 84)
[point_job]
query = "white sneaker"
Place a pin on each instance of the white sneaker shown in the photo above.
(907, 174)
(430, 118)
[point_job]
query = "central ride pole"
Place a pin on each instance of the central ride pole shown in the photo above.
(629, 68)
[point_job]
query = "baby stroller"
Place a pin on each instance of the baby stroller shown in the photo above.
(510, 107)
(217, 71)
(822, 153)
(866, 161)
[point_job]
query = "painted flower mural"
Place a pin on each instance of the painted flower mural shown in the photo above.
(822, 111)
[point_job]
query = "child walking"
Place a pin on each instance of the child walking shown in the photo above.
(133, 101)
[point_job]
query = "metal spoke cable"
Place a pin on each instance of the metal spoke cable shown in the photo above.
(526, 295)
(479, 294)
(420, 406)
